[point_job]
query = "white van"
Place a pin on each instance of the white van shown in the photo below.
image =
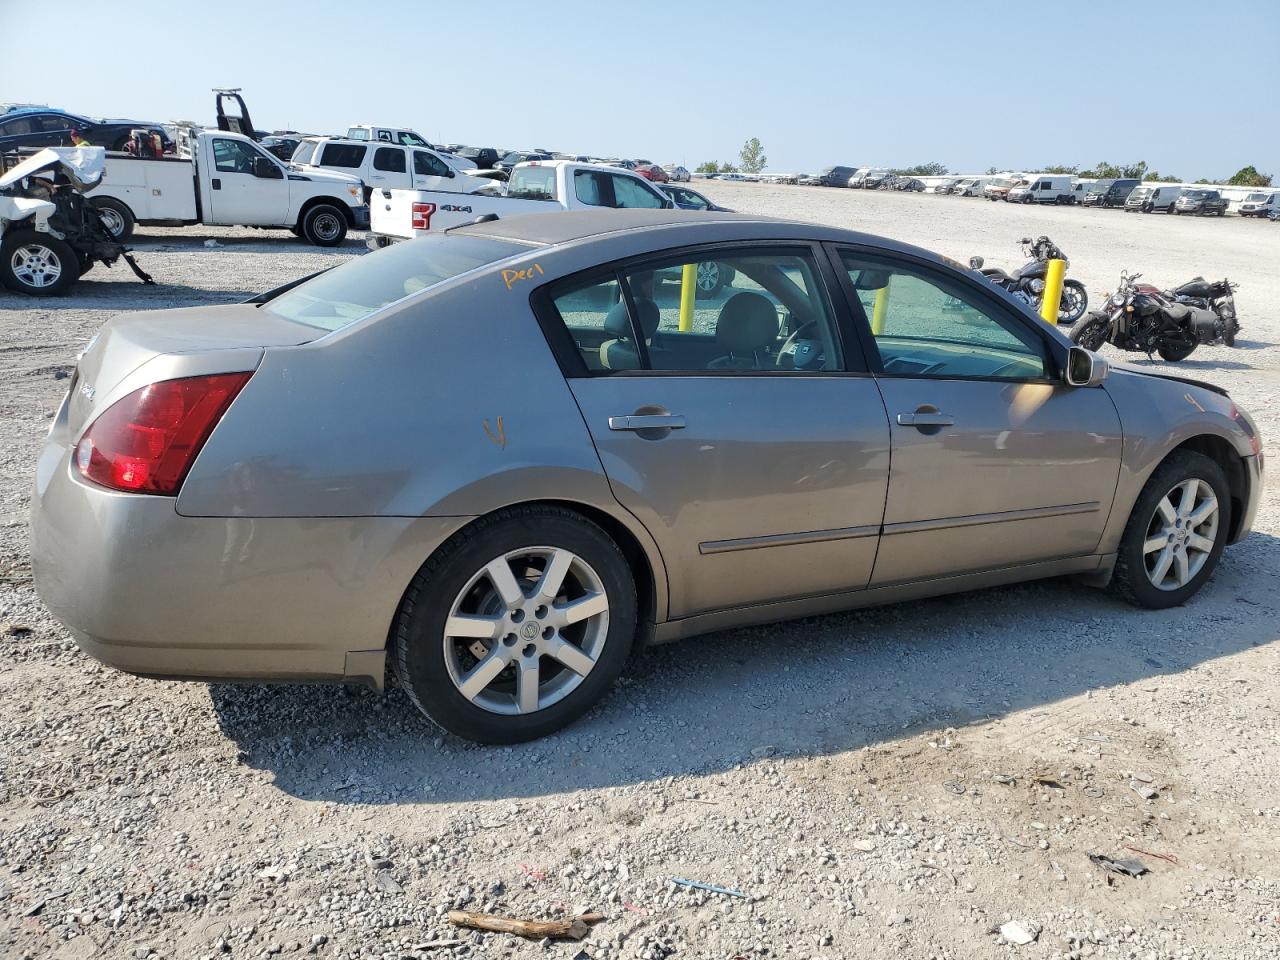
(1259, 205)
(1150, 198)
(380, 164)
(970, 187)
(1045, 189)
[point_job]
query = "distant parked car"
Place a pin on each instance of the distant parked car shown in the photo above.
(280, 146)
(969, 187)
(873, 178)
(1050, 188)
(835, 176)
(1204, 203)
(943, 186)
(46, 127)
(676, 173)
(1260, 204)
(653, 173)
(519, 156)
(809, 180)
(687, 199)
(485, 158)
(1149, 199)
(736, 177)
(999, 188)
(1111, 193)
(909, 185)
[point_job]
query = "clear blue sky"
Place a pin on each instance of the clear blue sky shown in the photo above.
(1190, 87)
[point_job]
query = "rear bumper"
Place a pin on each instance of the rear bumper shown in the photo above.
(151, 592)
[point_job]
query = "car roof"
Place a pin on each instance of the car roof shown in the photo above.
(565, 227)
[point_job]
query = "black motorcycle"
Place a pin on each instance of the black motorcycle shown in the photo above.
(1141, 319)
(1215, 295)
(1027, 282)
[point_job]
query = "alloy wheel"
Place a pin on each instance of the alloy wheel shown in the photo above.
(526, 630)
(708, 276)
(112, 220)
(1181, 534)
(36, 266)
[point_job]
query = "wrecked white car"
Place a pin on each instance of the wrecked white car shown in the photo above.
(49, 233)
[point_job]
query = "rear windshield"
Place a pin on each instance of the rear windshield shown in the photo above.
(351, 292)
(532, 183)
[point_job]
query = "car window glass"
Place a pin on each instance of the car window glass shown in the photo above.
(695, 200)
(303, 152)
(922, 329)
(586, 186)
(233, 156)
(429, 165)
(390, 159)
(18, 125)
(748, 312)
(412, 140)
(629, 192)
(350, 155)
(537, 183)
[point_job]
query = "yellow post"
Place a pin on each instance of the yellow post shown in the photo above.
(1052, 302)
(688, 289)
(880, 309)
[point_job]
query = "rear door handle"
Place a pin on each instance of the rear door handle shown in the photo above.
(924, 419)
(647, 421)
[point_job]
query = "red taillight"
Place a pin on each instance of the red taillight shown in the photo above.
(421, 214)
(147, 441)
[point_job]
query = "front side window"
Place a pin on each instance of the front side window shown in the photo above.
(927, 326)
(429, 165)
(349, 155)
(233, 156)
(389, 159)
(749, 311)
(631, 193)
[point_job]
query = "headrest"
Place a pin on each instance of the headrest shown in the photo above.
(617, 325)
(748, 322)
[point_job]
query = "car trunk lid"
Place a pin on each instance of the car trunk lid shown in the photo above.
(129, 340)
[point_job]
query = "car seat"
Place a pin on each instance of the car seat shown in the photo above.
(748, 323)
(621, 353)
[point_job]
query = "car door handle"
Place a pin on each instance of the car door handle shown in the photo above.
(647, 421)
(925, 418)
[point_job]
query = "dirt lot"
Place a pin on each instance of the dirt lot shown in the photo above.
(890, 783)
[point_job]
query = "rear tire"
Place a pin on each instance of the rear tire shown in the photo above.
(37, 264)
(436, 667)
(1175, 352)
(1136, 564)
(324, 225)
(116, 217)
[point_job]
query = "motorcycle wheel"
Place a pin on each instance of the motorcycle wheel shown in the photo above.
(1092, 332)
(1173, 352)
(1074, 302)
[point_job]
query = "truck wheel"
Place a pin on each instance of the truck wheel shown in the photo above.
(324, 225)
(115, 216)
(37, 264)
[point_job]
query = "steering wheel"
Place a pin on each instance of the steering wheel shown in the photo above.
(789, 346)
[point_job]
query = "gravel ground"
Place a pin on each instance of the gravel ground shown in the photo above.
(900, 782)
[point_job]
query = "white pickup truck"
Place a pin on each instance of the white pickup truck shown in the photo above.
(538, 186)
(228, 179)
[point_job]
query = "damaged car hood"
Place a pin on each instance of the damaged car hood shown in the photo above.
(83, 166)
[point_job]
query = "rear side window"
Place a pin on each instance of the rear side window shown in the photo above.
(349, 155)
(390, 159)
(631, 193)
(348, 293)
(533, 183)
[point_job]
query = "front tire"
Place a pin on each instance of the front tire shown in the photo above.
(1074, 302)
(37, 264)
(1176, 533)
(1092, 332)
(517, 625)
(116, 217)
(324, 225)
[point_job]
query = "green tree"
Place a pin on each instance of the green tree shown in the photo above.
(1154, 177)
(1250, 177)
(751, 156)
(934, 169)
(727, 167)
(1060, 169)
(992, 171)
(707, 166)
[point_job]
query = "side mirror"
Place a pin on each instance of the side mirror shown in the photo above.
(975, 263)
(264, 169)
(1085, 368)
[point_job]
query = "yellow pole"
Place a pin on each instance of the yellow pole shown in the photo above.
(880, 309)
(688, 289)
(1052, 302)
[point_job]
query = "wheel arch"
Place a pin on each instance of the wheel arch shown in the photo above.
(314, 202)
(641, 553)
(1220, 451)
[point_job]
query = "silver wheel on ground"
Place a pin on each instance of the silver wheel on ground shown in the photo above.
(37, 264)
(526, 630)
(1181, 534)
(115, 216)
